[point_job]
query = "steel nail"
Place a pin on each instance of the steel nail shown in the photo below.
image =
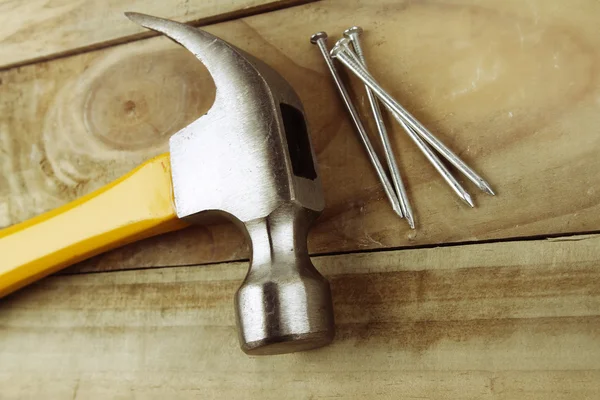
(320, 39)
(429, 154)
(353, 65)
(352, 34)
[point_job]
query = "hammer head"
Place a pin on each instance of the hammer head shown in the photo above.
(250, 158)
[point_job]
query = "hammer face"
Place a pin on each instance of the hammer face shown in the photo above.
(284, 304)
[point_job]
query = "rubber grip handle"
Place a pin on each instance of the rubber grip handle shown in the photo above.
(134, 207)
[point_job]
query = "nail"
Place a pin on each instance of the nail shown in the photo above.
(353, 65)
(429, 154)
(435, 161)
(352, 34)
(320, 39)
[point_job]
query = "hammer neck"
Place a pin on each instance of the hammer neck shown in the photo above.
(280, 240)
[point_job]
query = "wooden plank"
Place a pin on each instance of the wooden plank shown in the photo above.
(34, 30)
(512, 89)
(505, 321)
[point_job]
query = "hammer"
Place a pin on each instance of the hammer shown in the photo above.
(249, 158)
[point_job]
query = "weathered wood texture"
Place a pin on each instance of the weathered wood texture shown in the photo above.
(513, 87)
(40, 29)
(515, 320)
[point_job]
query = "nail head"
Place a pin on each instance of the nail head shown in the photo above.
(354, 30)
(335, 50)
(343, 42)
(318, 36)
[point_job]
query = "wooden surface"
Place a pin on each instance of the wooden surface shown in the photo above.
(511, 86)
(515, 320)
(513, 89)
(40, 29)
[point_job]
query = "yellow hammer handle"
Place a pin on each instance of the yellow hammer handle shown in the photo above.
(134, 207)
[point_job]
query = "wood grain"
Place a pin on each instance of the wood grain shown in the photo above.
(504, 321)
(34, 30)
(512, 88)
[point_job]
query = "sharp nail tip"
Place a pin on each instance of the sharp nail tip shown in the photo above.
(487, 188)
(469, 200)
(411, 221)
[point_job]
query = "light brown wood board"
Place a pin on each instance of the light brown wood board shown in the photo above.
(512, 87)
(514, 320)
(34, 30)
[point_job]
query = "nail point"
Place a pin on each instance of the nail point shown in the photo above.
(487, 188)
(467, 198)
(398, 211)
(410, 220)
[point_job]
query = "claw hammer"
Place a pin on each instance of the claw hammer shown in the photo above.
(248, 158)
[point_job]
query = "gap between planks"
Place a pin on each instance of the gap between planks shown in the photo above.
(387, 252)
(570, 237)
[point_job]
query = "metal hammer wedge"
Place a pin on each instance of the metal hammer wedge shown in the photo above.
(249, 158)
